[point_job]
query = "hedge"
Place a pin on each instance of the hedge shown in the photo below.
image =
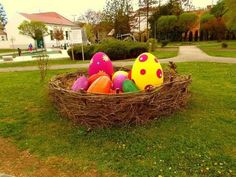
(115, 49)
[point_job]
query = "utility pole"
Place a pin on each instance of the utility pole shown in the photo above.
(74, 17)
(139, 31)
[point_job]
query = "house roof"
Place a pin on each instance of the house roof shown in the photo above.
(48, 18)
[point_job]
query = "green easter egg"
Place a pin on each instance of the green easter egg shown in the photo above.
(129, 86)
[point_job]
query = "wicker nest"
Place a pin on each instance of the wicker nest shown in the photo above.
(102, 110)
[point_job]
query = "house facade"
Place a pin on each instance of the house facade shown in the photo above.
(52, 20)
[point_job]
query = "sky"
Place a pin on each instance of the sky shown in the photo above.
(67, 8)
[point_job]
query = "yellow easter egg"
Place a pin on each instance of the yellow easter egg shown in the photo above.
(147, 71)
(119, 73)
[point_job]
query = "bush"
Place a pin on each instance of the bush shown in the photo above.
(164, 43)
(88, 52)
(224, 45)
(152, 44)
(115, 49)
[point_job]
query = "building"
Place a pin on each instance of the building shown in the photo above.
(3, 35)
(52, 20)
(138, 22)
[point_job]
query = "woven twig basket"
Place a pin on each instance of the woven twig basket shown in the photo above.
(102, 110)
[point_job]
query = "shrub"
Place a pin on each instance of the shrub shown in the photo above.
(88, 52)
(152, 44)
(164, 43)
(115, 49)
(224, 45)
(136, 48)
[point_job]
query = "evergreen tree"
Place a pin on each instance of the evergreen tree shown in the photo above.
(3, 16)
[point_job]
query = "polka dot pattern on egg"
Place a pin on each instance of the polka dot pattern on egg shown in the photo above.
(143, 58)
(142, 71)
(147, 71)
(159, 73)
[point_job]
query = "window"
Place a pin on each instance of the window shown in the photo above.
(51, 35)
(3, 38)
(67, 35)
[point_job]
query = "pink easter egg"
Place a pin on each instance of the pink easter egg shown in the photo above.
(80, 83)
(100, 62)
(118, 81)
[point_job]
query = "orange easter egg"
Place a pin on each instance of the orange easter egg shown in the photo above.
(101, 85)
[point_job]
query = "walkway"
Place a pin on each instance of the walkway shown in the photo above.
(186, 54)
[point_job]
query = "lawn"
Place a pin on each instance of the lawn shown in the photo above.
(214, 48)
(7, 50)
(166, 52)
(199, 141)
(35, 63)
(161, 53)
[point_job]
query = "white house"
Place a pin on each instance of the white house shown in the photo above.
(139, 20)
(51, 19)
(3, 35)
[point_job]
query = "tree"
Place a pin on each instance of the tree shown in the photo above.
(118, 14)
(121, 24)
(89, 31)
(3, 16)
(186, 22)
(213, 27)
(102, 29)
(147, 4)
(166, 25)
(175, 7)
(58, 34)
(34, 29)
(92, 17)
(230, 15)
(219, 9)
(170, 8)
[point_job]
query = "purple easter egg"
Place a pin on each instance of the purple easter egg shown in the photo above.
(80, 83)
(118, 81)
(100, 62)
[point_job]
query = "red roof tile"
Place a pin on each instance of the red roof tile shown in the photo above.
(48, 18)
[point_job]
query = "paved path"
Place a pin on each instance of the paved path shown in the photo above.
(4, 175)
(186, 54)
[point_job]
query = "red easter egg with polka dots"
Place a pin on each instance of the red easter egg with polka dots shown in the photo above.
(147, 71)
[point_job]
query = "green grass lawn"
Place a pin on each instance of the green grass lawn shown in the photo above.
(35, 63)
(199, 141)
(160, 53)
(214, 48)
(7, 50)
(166, 52)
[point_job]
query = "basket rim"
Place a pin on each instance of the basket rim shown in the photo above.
(54, 82)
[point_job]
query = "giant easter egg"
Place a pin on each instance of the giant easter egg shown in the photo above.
(94, 77)
(129, 86)
(147, 71)
(101, 85)
(80, 83)
(100, 62)
(118, 81)
(119, 73)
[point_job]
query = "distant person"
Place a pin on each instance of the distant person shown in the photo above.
(30, 47)
(19, 51)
